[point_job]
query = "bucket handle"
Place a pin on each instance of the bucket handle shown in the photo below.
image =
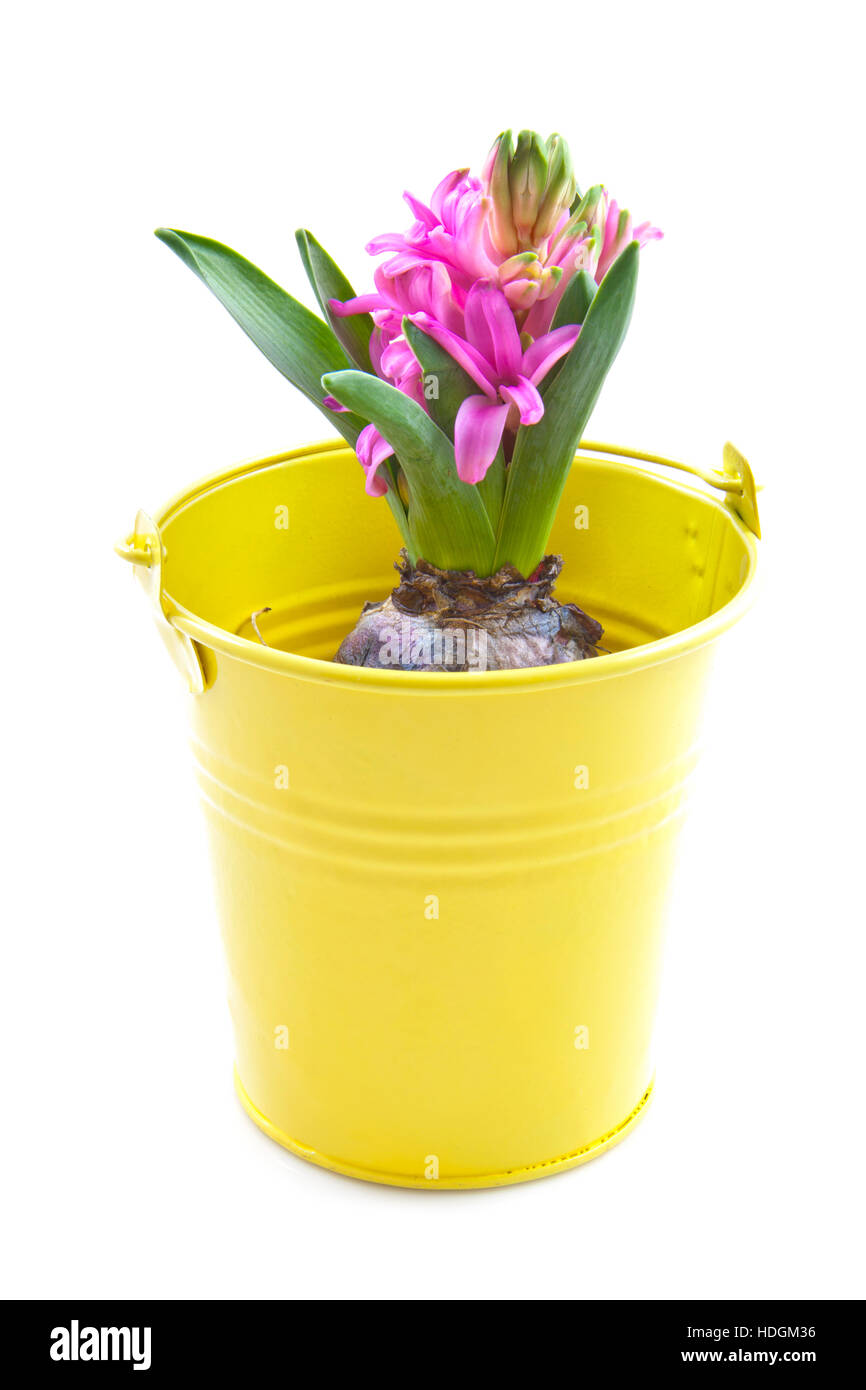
(735, 479)
(144, 550)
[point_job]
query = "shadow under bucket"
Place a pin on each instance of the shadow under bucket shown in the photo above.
(442, 895)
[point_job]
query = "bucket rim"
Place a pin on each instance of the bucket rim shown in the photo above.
(608, 667)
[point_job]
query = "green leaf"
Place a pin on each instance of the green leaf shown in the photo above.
(395, 502)
(298, 343)
(447, 518)
(544, 452)
(572, 308)
(574, 304)
(446, 386)
(329, 282)
(492, 488)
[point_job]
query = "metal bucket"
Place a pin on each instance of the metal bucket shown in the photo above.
(442, 896)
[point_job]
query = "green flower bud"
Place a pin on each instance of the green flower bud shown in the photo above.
(498, 189)
(549, 280)
(524, 266)
(592, 208)
(559, 189)
(527, 177)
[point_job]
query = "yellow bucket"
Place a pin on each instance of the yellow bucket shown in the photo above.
(442, 895)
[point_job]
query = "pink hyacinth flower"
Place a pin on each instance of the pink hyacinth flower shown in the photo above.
(452, 230)
(618, 233)
(449, 276)
(492, 355)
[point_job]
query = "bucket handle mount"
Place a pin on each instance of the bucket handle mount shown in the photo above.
(734, 479)
(144, 550)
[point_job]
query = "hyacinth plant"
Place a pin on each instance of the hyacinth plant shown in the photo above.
(464, 382)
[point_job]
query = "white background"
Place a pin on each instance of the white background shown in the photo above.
(129, 1167)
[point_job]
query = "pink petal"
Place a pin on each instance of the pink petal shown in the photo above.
(490, 327)
(617, 235)
(333, 404)
(647, 232)
(363, 304)
(540, 316)
(441, 299)
(456, 205)
(574, 253)
(458, 256)
(463, 353)
(388, 241)
(522, 294)
(421, 212)
(524, 395)
(372, 450)
(378, 343)
(389, 320)
(406, 259)
(397, 358)
(413, 285)
(477, 436)
(472, 240)
(540, 357)
(612, 225)
(441, 191)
